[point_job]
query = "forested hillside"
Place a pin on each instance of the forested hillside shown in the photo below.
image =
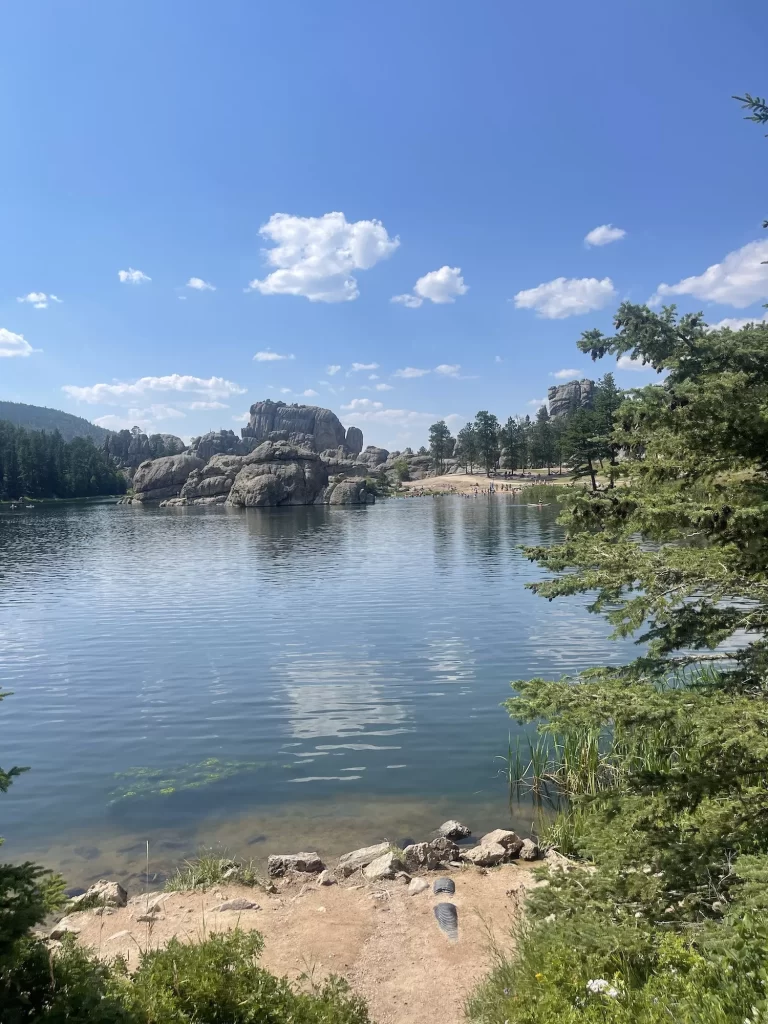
(39, 417)
(38, 464)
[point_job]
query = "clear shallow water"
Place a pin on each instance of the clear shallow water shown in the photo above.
(314, 677)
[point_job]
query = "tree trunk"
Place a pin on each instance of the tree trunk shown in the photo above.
(592, 474)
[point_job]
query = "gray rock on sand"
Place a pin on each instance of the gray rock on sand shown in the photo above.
(416, 886)
(421, 856)
(511, 841)
(446, 849)
(326, 878)
(108, 894)
(454, 830)
(357, 859)
(485, 856)
(279, 864)
(529, 850)
(66, 926)
(386, 866)
(237, 904)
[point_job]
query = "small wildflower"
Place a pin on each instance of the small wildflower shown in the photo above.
(539, 977)
(599, 986)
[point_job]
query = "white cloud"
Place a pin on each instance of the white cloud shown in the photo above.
(214, 387)
(736, 323)
(271, 357)
(740, 280)
(604, 235)
(207, 405)
(362, 404)
(115, 422)
(628, 363)
(373, 376)
(411, 301)
(565, 374)
(564, 297)
(439, 286)
(14, 345)
(384, 387)
(39, 299)
(243, 417)
(131, 276)
(363, 366)
(410, 371)
(309, 393)
(498, 359)
(199, 285)
(157, 412)
(538, 402)
(366, 410)
(333, 368)
(285, 391)
(316, 256)
(448, 369)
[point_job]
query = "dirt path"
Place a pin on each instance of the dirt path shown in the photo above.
(384, 941)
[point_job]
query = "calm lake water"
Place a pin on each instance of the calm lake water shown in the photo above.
(267, 679)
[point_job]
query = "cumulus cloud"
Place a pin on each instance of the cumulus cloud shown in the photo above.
(538, 402)
(333, 368)
(498, 359)
(123, 391)
(309, 393)
(628, 363)
(131, 276)
(448, 369)
(14, 345)
(242, 417)
(199, 285)
(268, 356)
(207, 405)
(373, 376)
(438, 286)
(38, 299)
(604, 235)
(565, 297)
(369, 411)
(740, 280)
(565, 374)
(410, 371)
(384, 387)
(736, 323)
(316, 256)
(356, 367)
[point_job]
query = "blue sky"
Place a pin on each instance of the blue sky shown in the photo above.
(467, 150)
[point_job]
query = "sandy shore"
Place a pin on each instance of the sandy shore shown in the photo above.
(385, 942)
(465, 483)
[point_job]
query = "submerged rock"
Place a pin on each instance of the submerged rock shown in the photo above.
(453, 829)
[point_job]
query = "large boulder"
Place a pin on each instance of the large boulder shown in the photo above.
(357, 859)
(163, 478)
(349, 492)
(421, 856)
(322, 425)
(386, 866)
(217, 442)
(278, 473)
(280, 864)
(354, 440)
(102, 893)
(373, 456)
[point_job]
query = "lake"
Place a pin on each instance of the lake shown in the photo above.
(267, 679)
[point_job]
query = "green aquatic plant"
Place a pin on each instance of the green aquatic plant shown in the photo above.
(146, 781)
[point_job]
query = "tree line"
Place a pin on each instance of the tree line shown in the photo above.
(41, 464)
(580, 439)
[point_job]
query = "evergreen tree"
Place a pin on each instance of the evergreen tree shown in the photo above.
(512, 441)
(487, 433)
(467, 451)
(440, 444)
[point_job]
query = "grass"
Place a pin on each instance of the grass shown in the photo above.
(209, 868)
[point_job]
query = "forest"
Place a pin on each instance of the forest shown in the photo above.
(40, 464)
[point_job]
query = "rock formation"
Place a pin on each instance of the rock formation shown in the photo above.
(354, 440)
(157, 479)
(565, 398)
(218, 442)
(279, 473)
(305, 425)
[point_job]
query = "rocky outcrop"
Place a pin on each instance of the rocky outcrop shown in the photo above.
(348, 492)
(217, 442)
(354, 440)
(214, 480)
(280, 864)
(357, 859)
(373, 456)
(300, 424)
(563, 399)
(157, 479)
(279, 473)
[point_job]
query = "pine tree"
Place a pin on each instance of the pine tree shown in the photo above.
(466, 450)
(487, 433)
(440, 444)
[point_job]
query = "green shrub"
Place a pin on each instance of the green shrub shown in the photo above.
(211, 868)
(221, 982)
